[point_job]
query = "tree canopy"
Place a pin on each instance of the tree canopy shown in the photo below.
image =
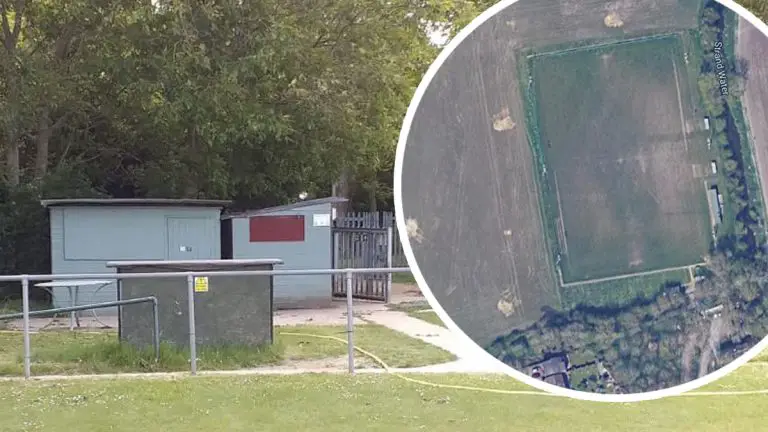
(250, 100)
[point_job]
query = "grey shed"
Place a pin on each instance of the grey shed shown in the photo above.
(299, 234)
(87, 233)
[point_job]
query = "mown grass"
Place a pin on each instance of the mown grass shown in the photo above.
(619, 292)
(638, 67)
(371, 403)
(403, 278)
(428, 316)
(60, 352)
(419, 310)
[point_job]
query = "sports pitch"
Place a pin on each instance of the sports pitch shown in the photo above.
(623, 162)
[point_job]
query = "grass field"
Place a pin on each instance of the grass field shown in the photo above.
(403, 278)
(621, 292)
(60, 352)
(419, 310)
(315, 403)
(624, 163)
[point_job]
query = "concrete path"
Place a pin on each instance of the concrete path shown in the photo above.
(377, 313)
(416, 328)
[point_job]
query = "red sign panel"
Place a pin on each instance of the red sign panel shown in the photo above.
(276, 228)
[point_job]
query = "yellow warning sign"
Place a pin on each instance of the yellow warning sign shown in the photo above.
(201, 284)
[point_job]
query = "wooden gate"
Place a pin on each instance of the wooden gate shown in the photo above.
(363, 248)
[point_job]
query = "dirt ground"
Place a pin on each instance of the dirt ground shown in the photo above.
(404, 292)
(538, 23)
(483, 252)
(752, 46)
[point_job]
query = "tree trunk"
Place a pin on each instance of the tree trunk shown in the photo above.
(341, 189)
(372, 196)
(13, 165)
(44, 133)
(10, 39)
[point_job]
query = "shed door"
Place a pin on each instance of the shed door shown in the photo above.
(188, 238)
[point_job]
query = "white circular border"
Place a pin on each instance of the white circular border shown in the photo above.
(470, 346)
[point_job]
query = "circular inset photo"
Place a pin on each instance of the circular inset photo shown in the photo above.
(581, 190)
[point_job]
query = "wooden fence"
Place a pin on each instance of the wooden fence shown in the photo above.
(376, 220)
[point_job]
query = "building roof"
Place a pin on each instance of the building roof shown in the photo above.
(287, 207)
(552, 365)
(559, 379)
(133, 202)
(182, 263)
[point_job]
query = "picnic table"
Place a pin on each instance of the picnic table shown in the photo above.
(73, 286)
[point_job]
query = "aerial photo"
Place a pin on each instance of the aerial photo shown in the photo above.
(582, 186)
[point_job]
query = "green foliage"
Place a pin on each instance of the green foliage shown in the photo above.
(757, 7)
(716, 29)
(24, 227)
(641, 343)
(254, 101)
(260, 100)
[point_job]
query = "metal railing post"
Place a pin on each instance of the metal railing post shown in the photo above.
(25, 311)
(389, 265)
(93, 306)
(350, 323)
(156, 335)
(191, 313)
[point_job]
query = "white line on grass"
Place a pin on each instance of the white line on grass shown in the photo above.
(630, 275)
(680, 105)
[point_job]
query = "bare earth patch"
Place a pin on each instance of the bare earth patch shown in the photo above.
(613, 20)
(502, 121)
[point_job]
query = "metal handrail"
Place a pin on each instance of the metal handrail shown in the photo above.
(116, 276)
(153, 300)
(190, 276)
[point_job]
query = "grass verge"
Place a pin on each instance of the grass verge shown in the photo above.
(620, 292)
(419, 310)
(403, 278)
(59, 352)
(323, 402)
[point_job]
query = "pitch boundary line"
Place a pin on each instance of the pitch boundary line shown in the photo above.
(680, 104)
(595, 46)
(530, 106)
(560, 212)
(627, 276)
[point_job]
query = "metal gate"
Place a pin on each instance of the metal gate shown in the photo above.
(363, 248)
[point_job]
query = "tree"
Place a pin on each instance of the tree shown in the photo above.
(258, 100)
(710, 16)
(12, 71)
